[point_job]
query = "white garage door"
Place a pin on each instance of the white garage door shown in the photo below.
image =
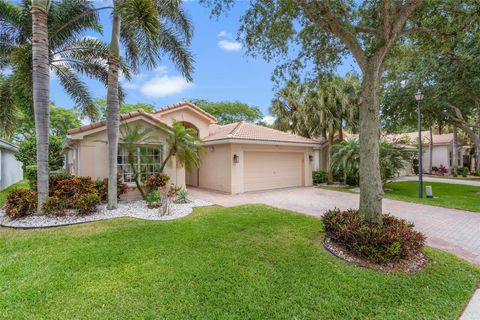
(271, 170)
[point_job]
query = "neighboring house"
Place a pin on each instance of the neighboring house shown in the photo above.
(442, 150)
(239, 157)
(442, 154)
(10, 168)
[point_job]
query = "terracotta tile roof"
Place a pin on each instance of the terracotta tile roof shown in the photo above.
(248, 131)
(182, 104)
(139, 112)
(413, 137)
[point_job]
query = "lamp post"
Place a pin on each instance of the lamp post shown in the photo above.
(419, 97)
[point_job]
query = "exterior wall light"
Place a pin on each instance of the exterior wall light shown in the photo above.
(236, 158)
(310, 158)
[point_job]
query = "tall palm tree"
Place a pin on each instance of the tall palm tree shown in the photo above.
(184, 145)
(42, 36)
(41, 92)
(70, 54)
(146, 29)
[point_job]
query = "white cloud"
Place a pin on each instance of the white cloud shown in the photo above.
(268, 120)
(229, 45)
(163, 86)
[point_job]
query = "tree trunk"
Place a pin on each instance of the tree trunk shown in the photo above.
(340, 133)
(371, 190)
(113, 117)
(329, 157)
(41, 94)
(455, 151)
(430, 160)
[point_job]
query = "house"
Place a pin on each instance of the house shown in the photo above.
(442, 150)
(442, 154)
(239, 157)
(10, 168)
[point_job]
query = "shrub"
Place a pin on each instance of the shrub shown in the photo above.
(392, 241)
(182, 196)
(465, 172)
(31, 173)
(351, 180)
(68, 189)
(153, 198)
(20, 203)
(319, 176)
(155, 181)
(442, 170)
(86, 203)
(54, 206)
(102, 188)
(434, 170)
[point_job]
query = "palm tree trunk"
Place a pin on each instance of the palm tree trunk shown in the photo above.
(41, 94)
(113, 117)
(329, 158)
(371, 187)
(430, 160)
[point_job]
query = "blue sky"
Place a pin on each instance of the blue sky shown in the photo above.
(222, 70)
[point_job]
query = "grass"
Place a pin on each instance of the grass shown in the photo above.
(247, 262)
(20, 184)
(446, 195)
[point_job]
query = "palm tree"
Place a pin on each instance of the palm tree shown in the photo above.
(184, 145)
(331, 105)
(41, 92)
(69, 55)
(289, 107)
(47, 39)
(131, 138)
(146, 28)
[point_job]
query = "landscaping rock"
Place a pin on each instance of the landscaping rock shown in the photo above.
(131, 209)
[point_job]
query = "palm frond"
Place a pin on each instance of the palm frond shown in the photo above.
(8, 110)
(77, 89)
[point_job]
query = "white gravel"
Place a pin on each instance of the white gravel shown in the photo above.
(132, 209)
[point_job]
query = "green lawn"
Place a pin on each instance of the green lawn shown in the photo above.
(247, 262)
(3, 193)
(447, 195)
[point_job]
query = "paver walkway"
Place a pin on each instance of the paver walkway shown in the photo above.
(441, 180)
(456, 231)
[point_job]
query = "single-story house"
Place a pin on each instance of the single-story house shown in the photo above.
(239, 157)
(10, 168)
(442, 150)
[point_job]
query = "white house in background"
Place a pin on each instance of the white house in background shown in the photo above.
(442, 150)
(442, 154)
(10, 168)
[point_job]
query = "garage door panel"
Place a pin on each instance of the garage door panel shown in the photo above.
(271, 170)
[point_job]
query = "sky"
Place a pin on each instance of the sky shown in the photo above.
(222, 69)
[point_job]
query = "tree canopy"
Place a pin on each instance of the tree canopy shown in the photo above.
(101, 105)
(230, 111)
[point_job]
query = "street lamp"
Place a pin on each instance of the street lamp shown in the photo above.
(419, 97)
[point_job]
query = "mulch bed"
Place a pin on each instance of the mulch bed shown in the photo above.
(410, 266)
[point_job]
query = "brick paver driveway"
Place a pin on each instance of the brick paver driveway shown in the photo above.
(452, 230)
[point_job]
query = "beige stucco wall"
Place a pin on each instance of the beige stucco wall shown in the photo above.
(89, 153)
(188, 115)
(219, 172)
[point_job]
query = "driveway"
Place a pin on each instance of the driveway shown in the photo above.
(456, 231)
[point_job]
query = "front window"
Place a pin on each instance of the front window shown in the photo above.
(147, 161)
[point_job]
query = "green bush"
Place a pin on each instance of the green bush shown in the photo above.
(87, 203)
(319, 176)
(20, 203)
(153, 199)
(31, 173)
(465, 172)
(351, 180)
(54, 206)
(391, 241)
(182, 196)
